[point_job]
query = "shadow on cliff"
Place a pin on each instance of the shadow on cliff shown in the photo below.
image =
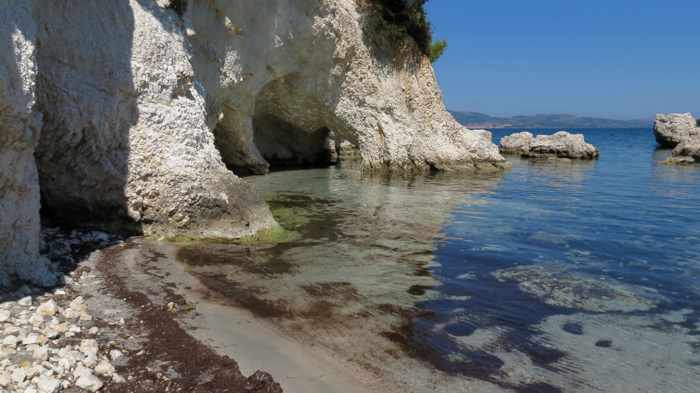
(86, 93)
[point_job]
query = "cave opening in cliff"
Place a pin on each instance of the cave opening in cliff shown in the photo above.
(284, 145)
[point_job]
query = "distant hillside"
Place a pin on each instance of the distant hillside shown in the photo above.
(481, 120)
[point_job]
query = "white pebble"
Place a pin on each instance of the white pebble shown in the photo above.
(47, 309)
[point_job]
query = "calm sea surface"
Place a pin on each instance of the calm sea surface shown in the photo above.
(556, 276)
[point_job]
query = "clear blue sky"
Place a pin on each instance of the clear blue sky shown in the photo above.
(615, 58)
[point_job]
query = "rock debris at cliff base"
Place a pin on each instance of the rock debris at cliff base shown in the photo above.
(93, 334)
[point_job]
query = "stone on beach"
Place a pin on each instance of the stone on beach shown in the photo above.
(47, 309)
(104, 368)
(47, 384)
(85, 379)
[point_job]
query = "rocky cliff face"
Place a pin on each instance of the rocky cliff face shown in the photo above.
(19, 134)
(281, 74)
(147, 114)
(125, 134)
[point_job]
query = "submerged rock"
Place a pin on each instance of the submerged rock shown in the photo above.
(673, 129)
(561, 288)
(559, 145)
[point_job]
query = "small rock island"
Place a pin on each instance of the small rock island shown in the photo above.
(679, 131)
(561, 144)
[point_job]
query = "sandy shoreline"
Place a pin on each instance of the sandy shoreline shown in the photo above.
(254, 343)
(306, 356)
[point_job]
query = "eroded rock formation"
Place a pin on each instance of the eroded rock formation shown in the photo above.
(561, 144)
(147, 114)
(125, 134)
(681, 132)
(674, 128)
(279, 73)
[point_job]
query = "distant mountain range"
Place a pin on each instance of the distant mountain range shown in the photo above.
(481, 120)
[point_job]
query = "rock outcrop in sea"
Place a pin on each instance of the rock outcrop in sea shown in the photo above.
(562, 144)
(679, 131)
(687, 152)
(133, 115)
(672, 129)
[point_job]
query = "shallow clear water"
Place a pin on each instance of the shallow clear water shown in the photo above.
(555, 276)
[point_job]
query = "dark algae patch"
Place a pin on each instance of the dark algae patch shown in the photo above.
(418, 290)
(573, 328)
(339, 290)
(198, 368)
(461, 329)
(414, 337)
(604, 343)
(250, 298)
(264, 261)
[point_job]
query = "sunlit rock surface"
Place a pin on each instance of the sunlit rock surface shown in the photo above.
(280, 75)
(561, 144)
(674, 128)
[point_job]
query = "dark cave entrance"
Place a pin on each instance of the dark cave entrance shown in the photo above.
(286, 146)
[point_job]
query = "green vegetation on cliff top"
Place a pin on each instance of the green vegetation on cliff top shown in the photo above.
(403, 17)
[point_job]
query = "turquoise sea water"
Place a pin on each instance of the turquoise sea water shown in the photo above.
(594, 249)
(556, 276)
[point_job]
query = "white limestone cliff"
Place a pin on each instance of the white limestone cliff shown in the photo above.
(289, 70)
(19, 134)
(147, 114)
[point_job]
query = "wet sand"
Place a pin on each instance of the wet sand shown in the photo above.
(308, 359)
(254, 343)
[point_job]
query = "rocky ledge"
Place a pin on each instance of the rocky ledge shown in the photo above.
(679, 131)
(559, 145)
